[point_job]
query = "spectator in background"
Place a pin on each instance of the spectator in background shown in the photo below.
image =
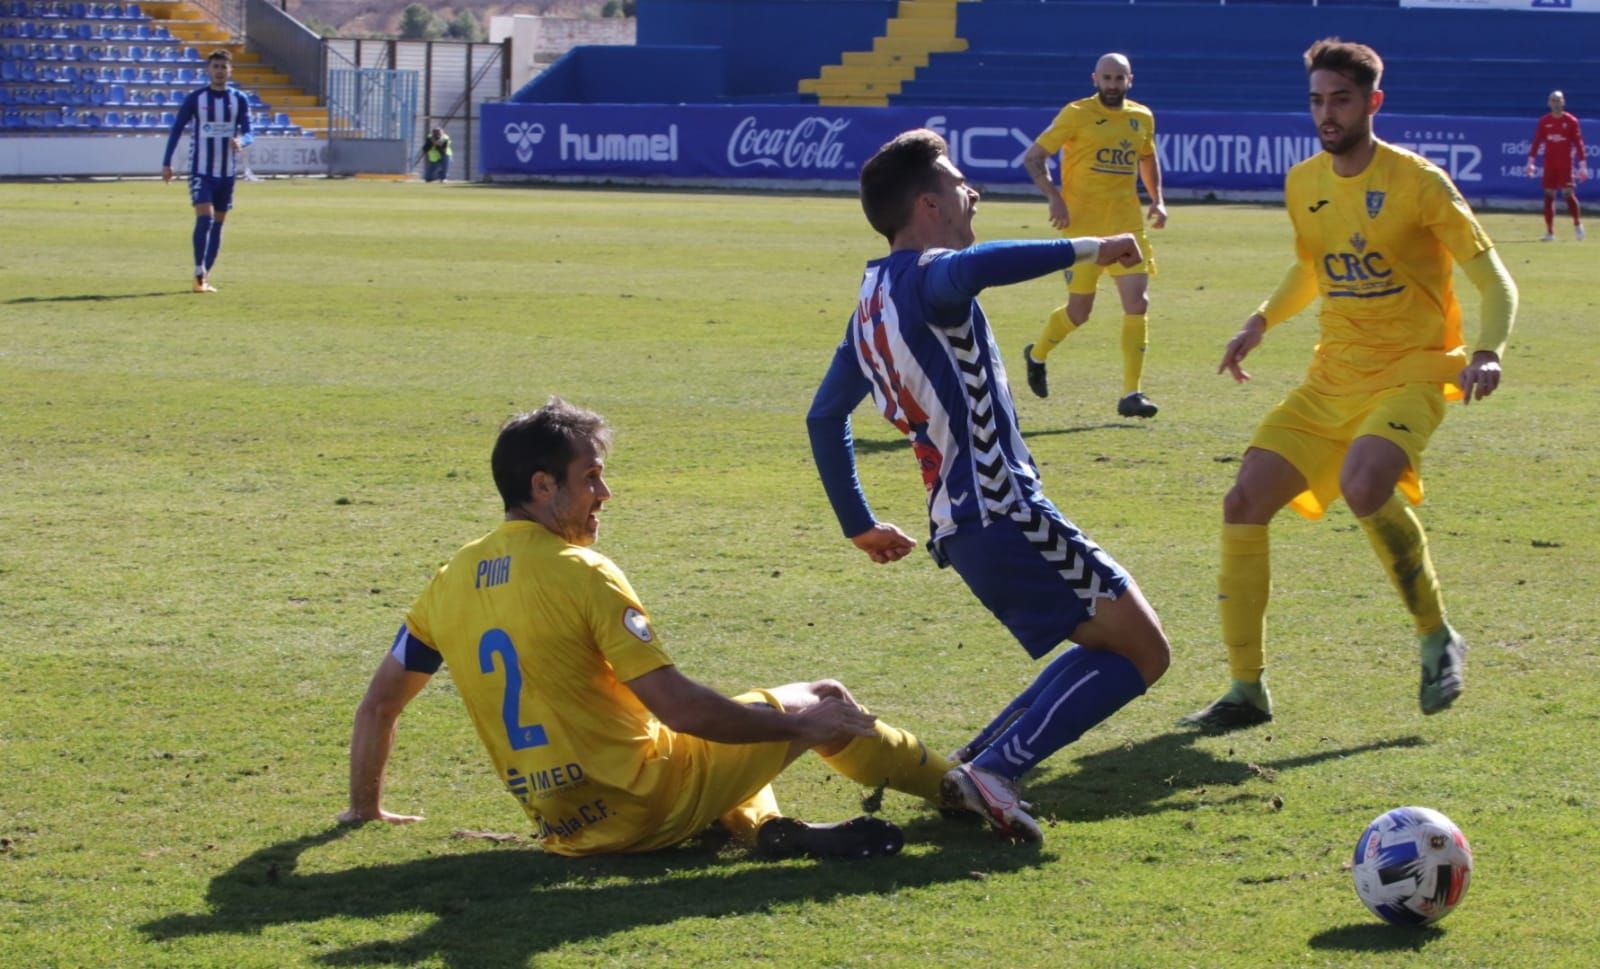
(1562, 139)
(436, 153)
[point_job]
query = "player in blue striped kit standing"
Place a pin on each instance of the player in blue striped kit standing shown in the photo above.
(920, 345)
(218, 121)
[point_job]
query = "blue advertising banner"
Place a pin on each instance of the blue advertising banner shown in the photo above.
(1199, 151)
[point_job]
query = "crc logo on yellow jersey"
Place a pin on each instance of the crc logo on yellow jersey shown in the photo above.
(1359, 273)
(1122, 154)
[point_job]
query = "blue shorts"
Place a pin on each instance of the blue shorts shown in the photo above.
(212, 191)
(1038, 574)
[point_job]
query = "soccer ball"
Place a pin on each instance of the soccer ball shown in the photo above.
(1412, 866)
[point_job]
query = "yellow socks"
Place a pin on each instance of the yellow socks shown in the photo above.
(1397, 537)
(894, 757)
(1056, 329)
(1243, 583)
(745, 818)
(1135, 337)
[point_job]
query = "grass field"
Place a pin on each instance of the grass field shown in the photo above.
(216, 510)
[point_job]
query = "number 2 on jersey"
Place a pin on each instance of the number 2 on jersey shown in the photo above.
(521, 735)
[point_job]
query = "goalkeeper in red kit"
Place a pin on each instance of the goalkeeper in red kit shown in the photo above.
(1562, 138)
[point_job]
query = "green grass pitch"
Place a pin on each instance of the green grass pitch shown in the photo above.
(216, 509)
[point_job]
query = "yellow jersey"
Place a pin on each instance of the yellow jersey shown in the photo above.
(539, 637)
(1100, 150)
(1383, 246)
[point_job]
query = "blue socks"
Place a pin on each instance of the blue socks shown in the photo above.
(202, 237)
(1080, 688)
(213, 245)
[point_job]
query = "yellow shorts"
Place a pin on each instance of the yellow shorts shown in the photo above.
(717, 778)
(1082, 279)
(1313, 431)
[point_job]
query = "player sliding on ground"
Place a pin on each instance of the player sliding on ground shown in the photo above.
(590, 726)
(1378, 232)
(920, 344)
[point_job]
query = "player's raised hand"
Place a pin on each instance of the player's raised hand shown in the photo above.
(1481, 377)
(1059, 216)
(1157, 216)
(1247, 339)
(884, 543)
(1122, 249)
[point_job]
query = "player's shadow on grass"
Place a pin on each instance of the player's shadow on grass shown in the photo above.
(505, 905)
(89, 297)
(1168, 773)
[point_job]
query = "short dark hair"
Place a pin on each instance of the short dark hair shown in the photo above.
(543, 440)
(1354, 62)
(892, 179)
(220, 54)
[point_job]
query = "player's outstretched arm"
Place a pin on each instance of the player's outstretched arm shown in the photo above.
(392, 687)
(693, 708)
(1121, 250)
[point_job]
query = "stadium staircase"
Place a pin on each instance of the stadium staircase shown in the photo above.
(189, 21)
(74, 67)
(869, 78)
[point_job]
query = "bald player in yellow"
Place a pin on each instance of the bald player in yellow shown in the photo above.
(1378, 233)
(589, 724)
(1105, 140)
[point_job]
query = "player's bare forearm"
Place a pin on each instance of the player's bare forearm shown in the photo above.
(1247, 339)
(372, 740)
(1150, 174)
(1036, 162)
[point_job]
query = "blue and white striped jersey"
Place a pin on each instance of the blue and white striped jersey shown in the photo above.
(212, 118)
(919, 343)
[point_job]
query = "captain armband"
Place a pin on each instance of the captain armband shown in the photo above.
(414, 654)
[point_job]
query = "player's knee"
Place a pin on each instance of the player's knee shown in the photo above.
(1364, 493)
(1136, 305)
(1239, 505)
(1079, 315)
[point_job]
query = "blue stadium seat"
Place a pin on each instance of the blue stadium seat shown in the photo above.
(5, 97)
(169, 118)
(9, 71)
(282, 120)
(133, 12)
(113, 119)
(90, 119)
(75, 52)
(69, 74)
(29, 72)
(136, 53)
(118, 95)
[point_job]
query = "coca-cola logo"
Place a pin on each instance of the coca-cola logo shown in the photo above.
(810, 143)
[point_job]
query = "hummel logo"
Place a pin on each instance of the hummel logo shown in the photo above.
(1400, 427)
(958, 502)
(1320, 204)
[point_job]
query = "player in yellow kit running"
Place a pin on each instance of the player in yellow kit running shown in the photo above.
(1378, 233)
(1105, 141)
(590, 726)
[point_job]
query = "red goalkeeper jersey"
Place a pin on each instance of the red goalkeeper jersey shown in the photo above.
(1562, 139)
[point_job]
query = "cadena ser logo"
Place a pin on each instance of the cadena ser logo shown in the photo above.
(523, 136)
(1359, 274)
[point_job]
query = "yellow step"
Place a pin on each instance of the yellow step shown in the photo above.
(875, 73)
(867, 58)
